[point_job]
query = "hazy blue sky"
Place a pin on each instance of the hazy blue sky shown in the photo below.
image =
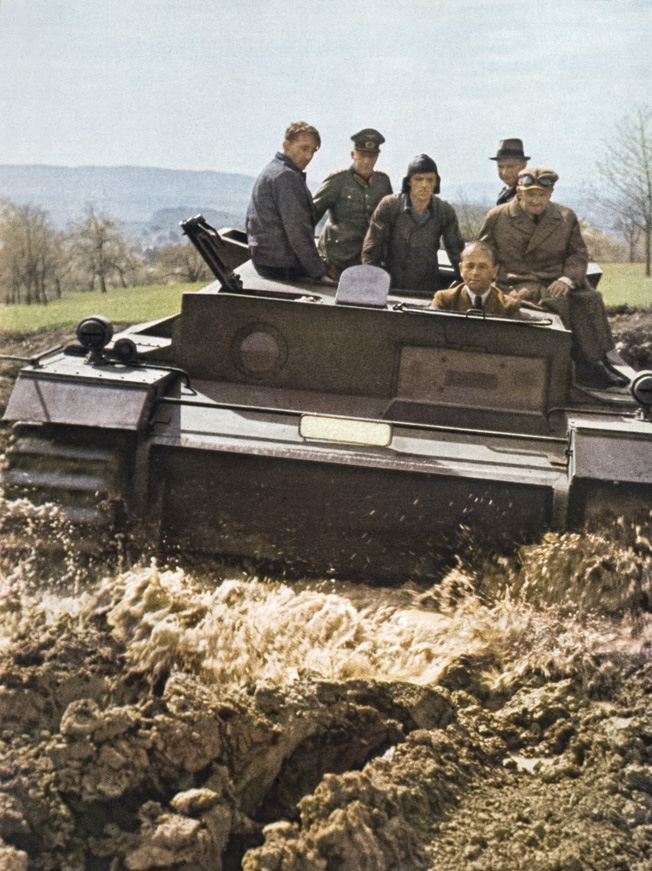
(204, 84)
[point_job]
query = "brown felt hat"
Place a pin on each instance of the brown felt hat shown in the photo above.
(510, 149)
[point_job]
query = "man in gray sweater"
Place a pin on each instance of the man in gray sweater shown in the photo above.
(281, 217)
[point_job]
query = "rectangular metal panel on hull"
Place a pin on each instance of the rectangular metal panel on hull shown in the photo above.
(486, 381)
(608, 451)
(345, 520)
(325, 348)
(99, 404)
(69, 390)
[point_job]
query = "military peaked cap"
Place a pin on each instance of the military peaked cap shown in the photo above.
(368, 140)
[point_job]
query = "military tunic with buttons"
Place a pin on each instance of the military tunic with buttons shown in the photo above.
(350, 202)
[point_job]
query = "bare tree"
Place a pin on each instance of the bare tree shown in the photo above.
(601, 246)
(180, 262)
(630, 233)
(100, 252)
(31, 267)
(626, 175)
(469, 216)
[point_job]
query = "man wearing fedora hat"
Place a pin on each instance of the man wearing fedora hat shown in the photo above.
(350, 197)
(510, 160)
(542, 258)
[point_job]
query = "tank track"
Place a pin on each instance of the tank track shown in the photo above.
(82, 472)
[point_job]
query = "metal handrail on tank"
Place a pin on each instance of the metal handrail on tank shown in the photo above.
(35, 360)
(470, 314)
(294, 412)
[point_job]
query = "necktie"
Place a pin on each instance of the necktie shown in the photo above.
(477, 302)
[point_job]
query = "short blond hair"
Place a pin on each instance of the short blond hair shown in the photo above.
(298, 127)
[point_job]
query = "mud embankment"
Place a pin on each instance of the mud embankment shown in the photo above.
(160, 721)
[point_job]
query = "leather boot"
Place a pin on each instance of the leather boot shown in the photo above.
(597, 376)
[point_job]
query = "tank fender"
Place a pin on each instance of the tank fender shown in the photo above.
(619, 450)
(126, 404)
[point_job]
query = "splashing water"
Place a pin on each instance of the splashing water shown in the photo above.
(554, 611)
(241, 629)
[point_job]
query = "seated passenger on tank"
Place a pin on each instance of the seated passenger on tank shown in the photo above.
(406, 230)
(476, 291)
(542, 257)
(280, 217)
(350, 197)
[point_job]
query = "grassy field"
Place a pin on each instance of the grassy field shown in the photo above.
(122, 305)
(626, 284)
(622, 283)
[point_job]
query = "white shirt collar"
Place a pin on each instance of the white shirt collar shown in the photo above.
(473, 295)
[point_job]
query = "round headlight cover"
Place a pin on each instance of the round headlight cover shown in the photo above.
(125, 350)
(642, 389)
(94, 332)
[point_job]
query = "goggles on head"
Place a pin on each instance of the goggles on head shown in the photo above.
(529, 181)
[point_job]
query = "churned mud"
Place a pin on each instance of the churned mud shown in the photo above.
(632, 331)
(166, 718)
(157, 719)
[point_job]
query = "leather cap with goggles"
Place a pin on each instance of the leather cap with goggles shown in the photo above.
(544, 179)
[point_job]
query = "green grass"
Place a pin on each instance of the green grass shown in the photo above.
(626, 284)
(621, 283)
(131, 305)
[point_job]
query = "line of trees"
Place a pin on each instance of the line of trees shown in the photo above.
(39, 262)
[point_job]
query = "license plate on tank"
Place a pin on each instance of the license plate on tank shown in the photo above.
(340, 429)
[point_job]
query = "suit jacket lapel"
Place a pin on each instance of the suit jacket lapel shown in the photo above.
(460, 299)
(491, 303)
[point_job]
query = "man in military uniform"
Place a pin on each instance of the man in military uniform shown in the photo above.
(280, 217)
(350, 197)
(510, 160)
(543, 258)
(479, 268)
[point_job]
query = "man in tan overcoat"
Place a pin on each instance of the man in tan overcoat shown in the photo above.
(542, 257)
(478, 268)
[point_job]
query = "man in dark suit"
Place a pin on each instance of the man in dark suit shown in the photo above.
(510, 160)
(542, 257)
(478, 268)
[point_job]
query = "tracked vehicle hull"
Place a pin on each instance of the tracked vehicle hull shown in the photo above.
(362, 436)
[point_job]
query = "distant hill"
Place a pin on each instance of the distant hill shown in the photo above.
(148, 203)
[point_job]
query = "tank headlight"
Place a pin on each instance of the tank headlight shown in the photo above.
(642, 390)
(125, 350)
(95, 332)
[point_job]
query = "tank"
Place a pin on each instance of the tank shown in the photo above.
(347, 431)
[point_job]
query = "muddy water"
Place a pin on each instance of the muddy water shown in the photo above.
(169, 718)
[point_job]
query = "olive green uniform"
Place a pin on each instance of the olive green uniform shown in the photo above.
(350, 202)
